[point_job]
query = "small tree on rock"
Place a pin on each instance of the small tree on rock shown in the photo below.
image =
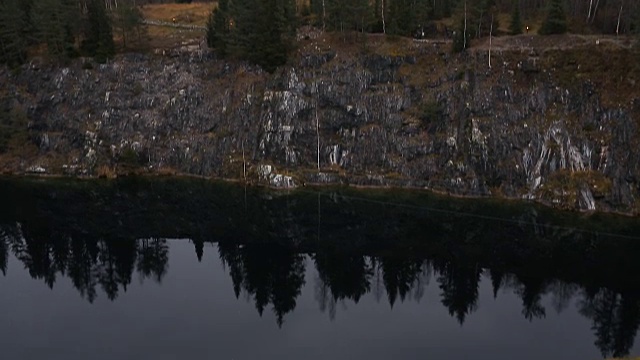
(556, 20)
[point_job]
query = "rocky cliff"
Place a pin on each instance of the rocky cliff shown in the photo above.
(545, 122)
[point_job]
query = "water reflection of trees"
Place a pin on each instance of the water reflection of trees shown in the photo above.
(269, 273)
(90, 263)
(615, 318)
(272, 275)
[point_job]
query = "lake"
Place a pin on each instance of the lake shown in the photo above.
(180, 268)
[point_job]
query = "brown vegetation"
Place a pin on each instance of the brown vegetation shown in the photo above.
(195, 13)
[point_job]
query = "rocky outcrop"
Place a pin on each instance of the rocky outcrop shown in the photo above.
(523, 128)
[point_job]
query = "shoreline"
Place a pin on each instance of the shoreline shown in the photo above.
(259, 184)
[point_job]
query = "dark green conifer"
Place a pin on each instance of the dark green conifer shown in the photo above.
(556, 20)
(98, 35)
(13, 24)
(218, 28)
(56, 24)
(515, 28)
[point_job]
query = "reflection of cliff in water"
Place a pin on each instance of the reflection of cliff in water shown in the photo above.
(100, 234)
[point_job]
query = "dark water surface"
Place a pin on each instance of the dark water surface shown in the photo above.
(181, 269)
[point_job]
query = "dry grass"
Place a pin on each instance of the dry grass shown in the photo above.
(163, 37)
(166, 171)
(108, 172)
(195, 13)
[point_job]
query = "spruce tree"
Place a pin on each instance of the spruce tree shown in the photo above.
(408, 16)
(337, 14)
(259, 31)
(243, 38)
(316, 9)
(446, 9)
(459, 42)
(421, 10)
(635, 21)
(98, 39)
(270, 49)
(218, 28)
(55, 23)
(515, 28)
(362, 15)
(556, 20)
(13, 41)
(128, 21)
(461, 38)
(480, 16)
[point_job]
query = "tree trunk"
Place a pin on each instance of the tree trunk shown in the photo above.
(384, 26)
(490, 40)
(464, 34)
(589, 13)
(595, 10)
(324, 15)
(619, 15)
(244, 164)
(479, 25)
(318, 134)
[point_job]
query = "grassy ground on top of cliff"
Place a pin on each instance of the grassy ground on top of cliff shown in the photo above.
(167, 37)
(197, 13)
(194, 14)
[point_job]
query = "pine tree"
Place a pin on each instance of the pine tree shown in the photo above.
(515, 28)
(446, 8)
(218, 28)
(459, 42)
(421, 10)
(259, 31)
(480, 14)
(635, 21)
(362, 15)
(462, 36)
(13, 42)
(337, 14)
(55, 23)
(315, 6)
(270, 49)
(98, 39)
(407, 16)
(243, 39)
(556, 20)
(128, 21)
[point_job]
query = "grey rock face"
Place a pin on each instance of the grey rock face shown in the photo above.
(428, 121)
